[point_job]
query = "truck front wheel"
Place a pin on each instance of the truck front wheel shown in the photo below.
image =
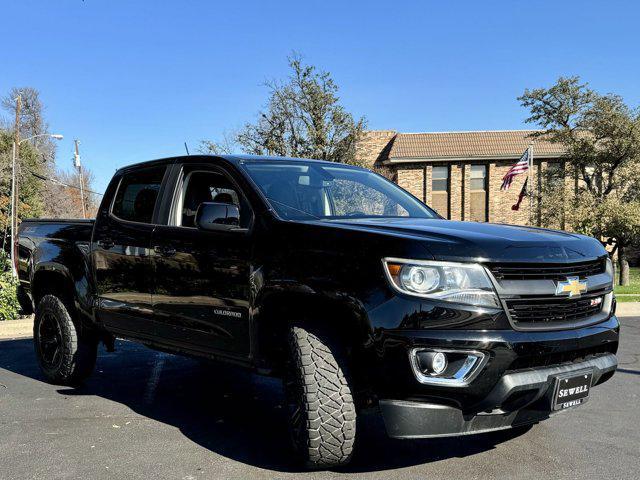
(64, 356)
(321, 410)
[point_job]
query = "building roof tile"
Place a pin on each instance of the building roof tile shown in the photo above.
(470, 145)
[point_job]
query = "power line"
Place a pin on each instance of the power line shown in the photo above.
(58, 182)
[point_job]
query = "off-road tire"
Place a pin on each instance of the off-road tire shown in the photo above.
(322, 413)
(74, 355)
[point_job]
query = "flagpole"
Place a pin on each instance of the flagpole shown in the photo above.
(530, 182)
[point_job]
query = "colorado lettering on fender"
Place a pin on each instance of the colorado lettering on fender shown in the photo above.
(227, 313)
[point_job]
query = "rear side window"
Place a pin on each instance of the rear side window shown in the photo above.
(137, 194)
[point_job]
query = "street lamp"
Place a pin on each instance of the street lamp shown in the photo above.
(14, 196)
(56, 136)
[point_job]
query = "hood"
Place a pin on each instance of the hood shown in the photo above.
(484, 242)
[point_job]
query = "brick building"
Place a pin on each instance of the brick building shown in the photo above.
(459, 174)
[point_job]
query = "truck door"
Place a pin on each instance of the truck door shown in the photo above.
(202, 277)
(121, 251)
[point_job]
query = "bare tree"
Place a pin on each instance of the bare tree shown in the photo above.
(63, 199)
(226, 146)
(32, 120)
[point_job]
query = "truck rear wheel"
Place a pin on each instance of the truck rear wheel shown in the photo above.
(322, 413)
(64, 356)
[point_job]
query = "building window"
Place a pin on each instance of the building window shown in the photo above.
(440, 190)
(478, 190)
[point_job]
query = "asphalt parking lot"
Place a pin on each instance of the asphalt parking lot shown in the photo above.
(145, 414)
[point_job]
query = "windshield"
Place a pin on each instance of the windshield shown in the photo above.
(301, 190)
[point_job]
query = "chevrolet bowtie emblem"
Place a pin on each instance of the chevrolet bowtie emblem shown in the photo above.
(572, 286)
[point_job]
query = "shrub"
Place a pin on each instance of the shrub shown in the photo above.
(9, 305)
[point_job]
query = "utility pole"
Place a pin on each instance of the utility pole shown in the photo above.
(14, 187)
(78, 165)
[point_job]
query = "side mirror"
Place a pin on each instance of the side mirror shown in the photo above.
(218, 217)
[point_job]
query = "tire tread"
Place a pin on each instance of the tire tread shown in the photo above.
(328, 402)
(79, 354)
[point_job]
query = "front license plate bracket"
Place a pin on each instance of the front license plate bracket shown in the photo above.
(572, 390)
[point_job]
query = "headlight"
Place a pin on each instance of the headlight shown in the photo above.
(609, 270)
(466, 283)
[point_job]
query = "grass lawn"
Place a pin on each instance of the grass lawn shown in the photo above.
(630, 298)
(632, 290)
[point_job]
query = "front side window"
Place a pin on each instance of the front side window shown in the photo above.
(440, 190)
(478, 188)
(137, 193)
(304, 190)
(208, 186)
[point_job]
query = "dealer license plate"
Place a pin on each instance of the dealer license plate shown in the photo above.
(572, 390)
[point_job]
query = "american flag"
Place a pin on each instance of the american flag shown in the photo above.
(520, 166)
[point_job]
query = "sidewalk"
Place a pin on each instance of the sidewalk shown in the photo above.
(24, 328)
(628, 309)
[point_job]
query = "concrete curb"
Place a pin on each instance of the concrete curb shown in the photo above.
(22, 328)
(628, 309)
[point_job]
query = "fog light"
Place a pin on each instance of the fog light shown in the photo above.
(446, 367)
(433, 363)
(439, 363)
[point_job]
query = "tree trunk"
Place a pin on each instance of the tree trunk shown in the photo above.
(624, 265)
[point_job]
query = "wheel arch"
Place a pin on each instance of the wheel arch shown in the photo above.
(339, 314)
(51, 279)
(55, 279)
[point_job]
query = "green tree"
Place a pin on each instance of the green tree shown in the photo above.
(30, 198)
(8, 290)
(303, 118)
(601, 137)
(35, 156)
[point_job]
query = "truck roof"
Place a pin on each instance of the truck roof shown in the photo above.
(237, 158)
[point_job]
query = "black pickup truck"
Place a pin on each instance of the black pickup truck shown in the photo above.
(335, 279)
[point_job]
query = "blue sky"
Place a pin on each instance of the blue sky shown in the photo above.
(133, 80)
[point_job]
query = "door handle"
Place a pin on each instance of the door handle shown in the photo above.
(164, 251)
(106, 243)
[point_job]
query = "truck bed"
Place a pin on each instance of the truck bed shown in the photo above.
(59, 228)
(55, 235)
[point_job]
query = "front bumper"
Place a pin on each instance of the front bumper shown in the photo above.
(518, 398)
(513, 387)
(508, 351)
